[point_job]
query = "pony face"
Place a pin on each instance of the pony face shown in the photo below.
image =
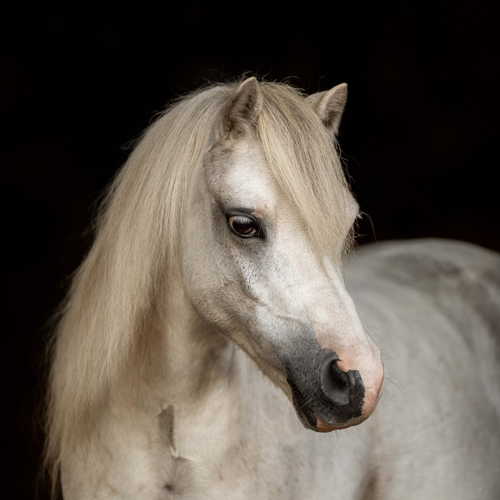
(252, 272)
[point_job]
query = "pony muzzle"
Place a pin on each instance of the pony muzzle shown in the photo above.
(345, 386)
(340, 395)
(370, 368)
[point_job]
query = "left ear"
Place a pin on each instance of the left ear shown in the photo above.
(243, 108)
(329, 106)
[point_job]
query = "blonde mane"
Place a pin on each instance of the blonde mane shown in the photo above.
(139, 230)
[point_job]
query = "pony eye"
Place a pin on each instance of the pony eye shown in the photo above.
(243, 226)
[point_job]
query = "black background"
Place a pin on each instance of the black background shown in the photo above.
(419, 134)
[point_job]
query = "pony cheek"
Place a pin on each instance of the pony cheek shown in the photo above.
(199, 262)
(210, 293)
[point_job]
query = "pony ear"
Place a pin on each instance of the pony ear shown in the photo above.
(329, 106)
(244, 107)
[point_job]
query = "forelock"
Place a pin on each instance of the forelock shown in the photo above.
(305, 164)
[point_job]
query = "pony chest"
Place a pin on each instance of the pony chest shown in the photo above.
(231, 452)
(239, 473)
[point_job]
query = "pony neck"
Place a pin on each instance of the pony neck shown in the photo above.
(160, 399)
(189, 357)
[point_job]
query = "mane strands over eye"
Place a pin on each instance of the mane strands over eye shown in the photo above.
(305, 164)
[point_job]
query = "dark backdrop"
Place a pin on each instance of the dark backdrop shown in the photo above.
(418, 136)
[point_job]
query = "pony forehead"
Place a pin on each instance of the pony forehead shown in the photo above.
(237, 175)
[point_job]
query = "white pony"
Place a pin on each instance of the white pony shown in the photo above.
(209, 340)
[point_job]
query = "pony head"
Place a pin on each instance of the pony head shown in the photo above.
(268, 220)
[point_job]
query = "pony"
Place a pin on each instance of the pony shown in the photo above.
(221, 335)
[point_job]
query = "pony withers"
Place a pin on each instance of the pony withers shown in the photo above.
(209, 344)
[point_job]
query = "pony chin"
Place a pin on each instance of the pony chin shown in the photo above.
(325, 428)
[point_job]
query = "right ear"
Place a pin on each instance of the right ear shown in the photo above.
(244, 107)
(329, 106)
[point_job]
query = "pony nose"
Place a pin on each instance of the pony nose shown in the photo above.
(338, 386)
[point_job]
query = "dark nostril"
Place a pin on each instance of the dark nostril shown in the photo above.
(335, 384)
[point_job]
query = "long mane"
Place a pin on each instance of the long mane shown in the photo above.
(138, 236)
